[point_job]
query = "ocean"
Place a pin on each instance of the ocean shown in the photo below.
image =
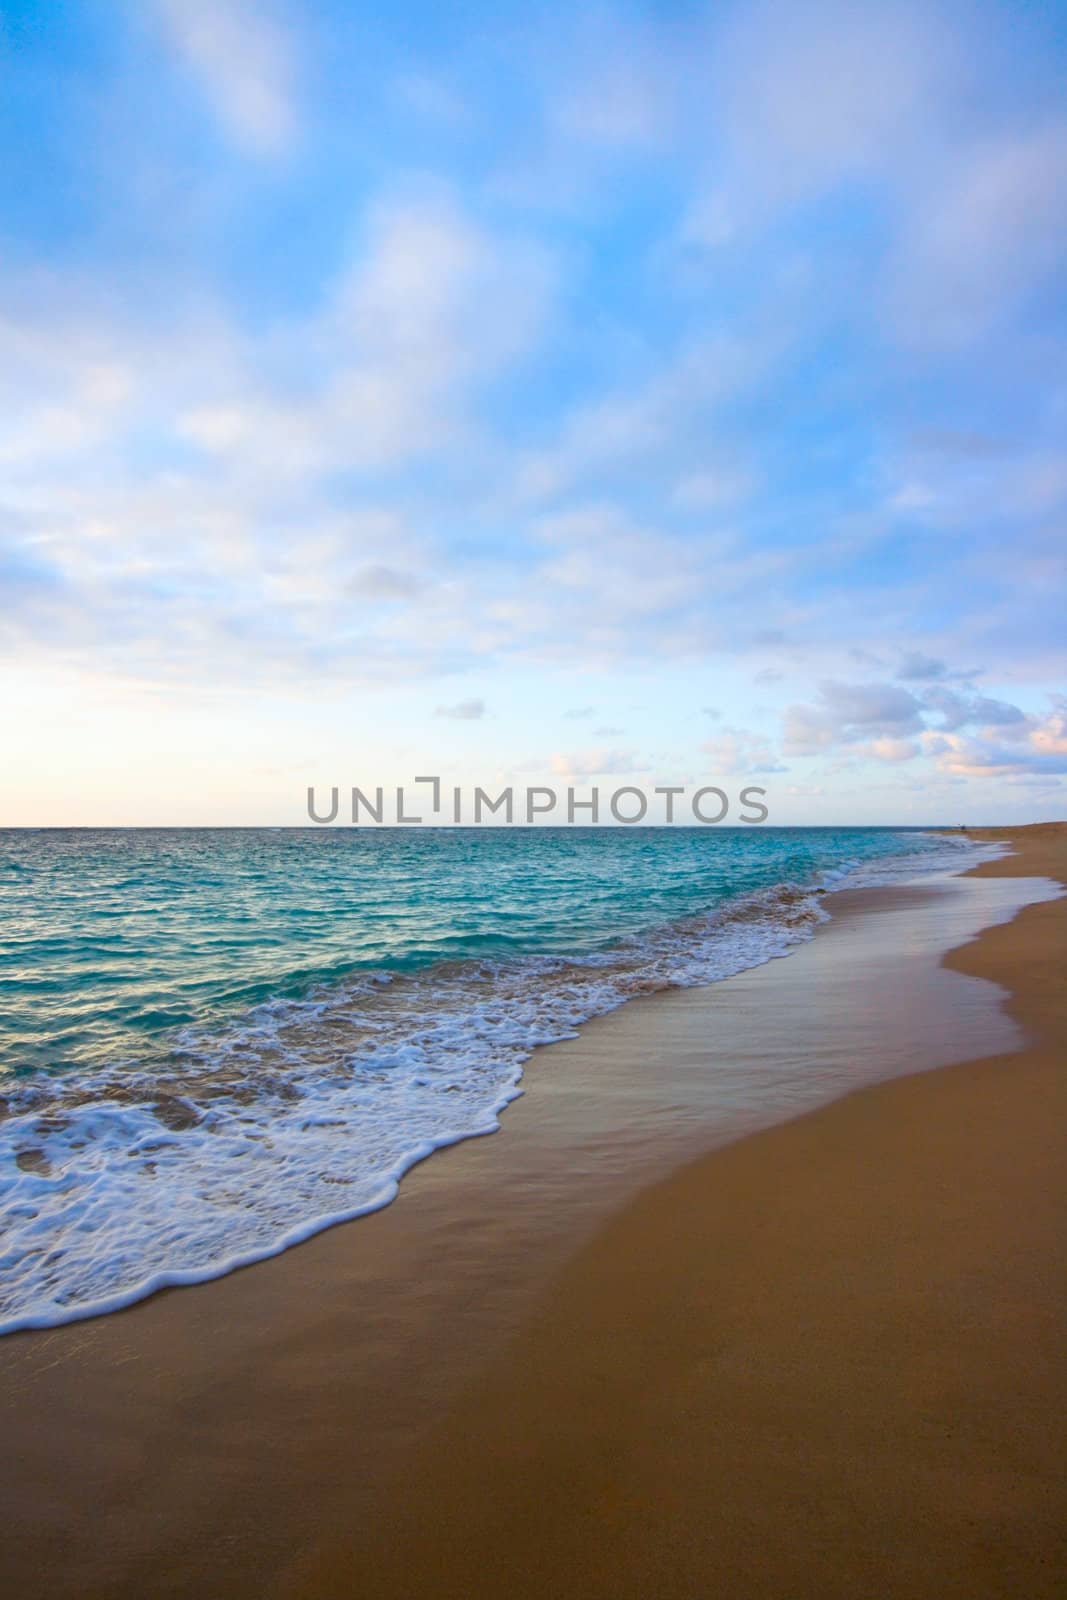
(214, 1043)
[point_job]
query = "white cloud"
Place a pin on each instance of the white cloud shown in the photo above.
(661, 416)
(244, 60)
(463, 711)
(432, 99)
(594, 552)
(815, 97)
(380, 582)
(1042, 752)
(916, 667)
(433, 307)
(959, 710)
(809, 94)
(985, 232)
(736, 752)
(893, 749)
(621, 101)
(64, 387)
(712, 489)
(889, 724)
(595, 763)
(847, 712)
(1049, 736)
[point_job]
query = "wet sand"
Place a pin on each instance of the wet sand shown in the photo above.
(826, 1361)
(531, 1398)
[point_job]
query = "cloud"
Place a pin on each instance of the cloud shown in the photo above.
(712, 490)
(848, 712)
(618, 99)
(813, 94)
(610, 586)
(819, 98)
(431, 98)
(463, 711)
(893, 750)
(892, 725)
(659, 416)
(596, 553)
(342, 422)
(212, 514)
(1048, 736)
(916, 667)
(1041, 752)
(960, 710)
(595, 763)
(244, 60)
(210, 501)
(431, 308)
(379, 582)
(949, 491)
(983, 238)
(737, 752)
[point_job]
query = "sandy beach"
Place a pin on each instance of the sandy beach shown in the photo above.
(531, 560)
(594, 1355)
(826, 1361)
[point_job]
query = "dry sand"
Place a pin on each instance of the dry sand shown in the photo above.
(826, 1361)
(823, 1361)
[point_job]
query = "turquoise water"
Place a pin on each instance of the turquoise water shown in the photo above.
(213, 1043)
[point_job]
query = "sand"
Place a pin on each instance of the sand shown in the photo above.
(822, 1360)
(827, 1361)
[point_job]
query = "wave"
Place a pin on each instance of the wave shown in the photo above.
(307, 1111)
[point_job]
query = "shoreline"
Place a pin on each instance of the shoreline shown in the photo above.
(843, 1376)
(168, 1448)
(797, 911)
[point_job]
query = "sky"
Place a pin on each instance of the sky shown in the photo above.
(615, 395)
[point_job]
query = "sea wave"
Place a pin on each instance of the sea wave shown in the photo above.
(308, 1111)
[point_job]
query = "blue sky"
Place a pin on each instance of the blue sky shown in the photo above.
(514, 393)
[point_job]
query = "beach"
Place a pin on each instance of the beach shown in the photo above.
(593, 1355)
(532, 1020)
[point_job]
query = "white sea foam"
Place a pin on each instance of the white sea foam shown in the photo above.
(308, 1112)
